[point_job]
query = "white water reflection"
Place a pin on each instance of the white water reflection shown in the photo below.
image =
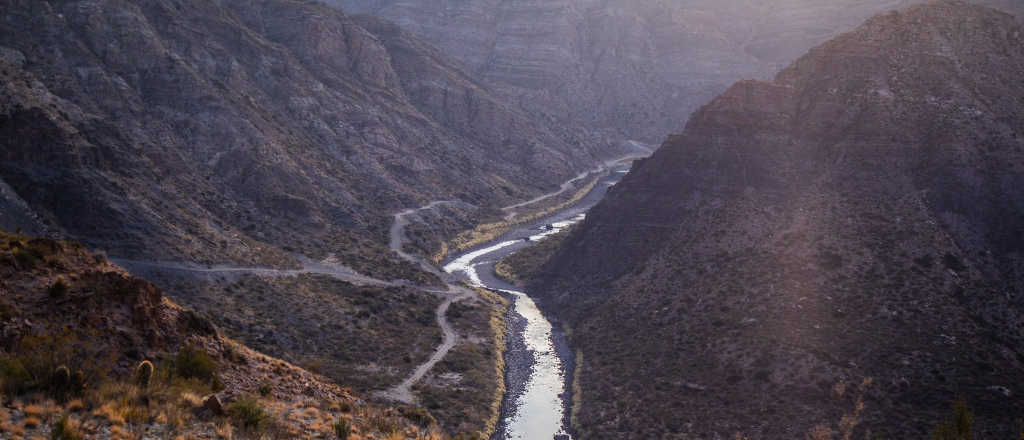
(539, 410)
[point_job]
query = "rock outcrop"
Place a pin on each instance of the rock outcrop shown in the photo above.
(860, 216)
(633, 69)
(207, 130)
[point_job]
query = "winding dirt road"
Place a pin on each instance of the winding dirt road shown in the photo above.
(403, 391)
(398, 237)
(222, 270)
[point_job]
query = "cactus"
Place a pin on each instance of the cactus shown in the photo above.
(61, 378)
(144, 374)
(77, 382)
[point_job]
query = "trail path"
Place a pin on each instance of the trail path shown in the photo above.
(308, 267)
(403, 392)
(398, 237)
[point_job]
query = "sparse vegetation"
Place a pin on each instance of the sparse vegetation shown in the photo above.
(69, 379)
(489, 231)
(251, 416)
(519, 267)
(341, 428)
(66, 429)
(59, 288)
(960, 425)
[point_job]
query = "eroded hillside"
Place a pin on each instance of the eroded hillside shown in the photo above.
(857, 217)
(223, 131)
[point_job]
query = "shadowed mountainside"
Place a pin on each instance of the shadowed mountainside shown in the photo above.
(207, 130)
(859, 216)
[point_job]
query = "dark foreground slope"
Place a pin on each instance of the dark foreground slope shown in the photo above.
(860, 216)
(206, 130)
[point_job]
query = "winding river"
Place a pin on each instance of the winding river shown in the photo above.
(539, 364)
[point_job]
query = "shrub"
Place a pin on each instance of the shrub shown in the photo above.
(960, 426)
(265, 389)
(193, 362)
(418, 416)
(62, 362)
(251, 416)
(385, 422)
(341, 428)
(58, 289)
(26, 258)
(200, 323)
(7, 312)
(65, 429)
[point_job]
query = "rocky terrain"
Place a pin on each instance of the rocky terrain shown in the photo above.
(63, 308)
(858, 217)
(225, 131)
(633, 69)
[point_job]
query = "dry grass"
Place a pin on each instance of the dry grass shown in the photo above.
(76, 405)
(31, 422)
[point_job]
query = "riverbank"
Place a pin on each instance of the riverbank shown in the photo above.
(539, 360)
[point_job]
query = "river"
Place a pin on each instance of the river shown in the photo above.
(539, 363)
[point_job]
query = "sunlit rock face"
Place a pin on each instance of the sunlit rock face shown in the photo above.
(859, 216)
(636, 69)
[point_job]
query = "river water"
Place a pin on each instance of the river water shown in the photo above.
(538, 362)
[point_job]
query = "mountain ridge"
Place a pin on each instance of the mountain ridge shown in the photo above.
(208, 131)
(848, 220)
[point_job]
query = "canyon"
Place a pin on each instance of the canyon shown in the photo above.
(227, 131)
(339, 203)
(632, 69)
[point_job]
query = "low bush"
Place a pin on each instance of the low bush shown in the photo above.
(251, 416)
(58, 289)
(341, 428)
(193, 362)
(66, 429)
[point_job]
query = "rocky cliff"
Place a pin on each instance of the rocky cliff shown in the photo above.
(634, 69)
(207, 130)
(858, 217)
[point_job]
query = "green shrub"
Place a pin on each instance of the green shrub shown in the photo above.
(418, 416)
(341, 428)
(200, 323)
(65, 429)
(62, 362)
(250, 415)
(265, 389)
(58, 289)
(7, 312)
(193, 362)
(960, 426)
(26, 258)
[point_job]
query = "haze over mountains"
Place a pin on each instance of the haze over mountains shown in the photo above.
(860, 216)
(858, 219)
(203, 130)
(635, 69)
